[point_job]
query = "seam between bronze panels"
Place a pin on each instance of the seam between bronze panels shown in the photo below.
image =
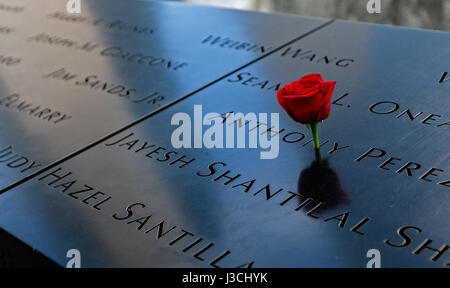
(145, 117)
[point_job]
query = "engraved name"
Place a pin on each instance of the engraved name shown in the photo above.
(65, 183)
(286, 136)
(247, 79)
(95, 83)
(311, 56)
(9, 60)
(143, 59)
(114, 52)
(217, 172)
(228, 43)
(58, 41)
(186, 241)
(250, 80)
(411, 169)
(119, 25)
(6, 30)
(17, 161)
(136, 215)
(11, 8)
(15, 102)
(393, 108)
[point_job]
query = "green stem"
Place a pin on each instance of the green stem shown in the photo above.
(315, 134)
(317, 152)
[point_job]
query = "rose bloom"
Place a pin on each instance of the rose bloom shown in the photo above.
(307, 100)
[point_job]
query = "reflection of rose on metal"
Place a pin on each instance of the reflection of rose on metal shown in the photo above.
(322, 184)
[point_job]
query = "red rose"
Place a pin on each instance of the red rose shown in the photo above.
(308, 99)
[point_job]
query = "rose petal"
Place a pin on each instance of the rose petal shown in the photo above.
(308, 99)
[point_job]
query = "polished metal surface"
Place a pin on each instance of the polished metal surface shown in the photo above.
(356, 203)
(67, 80)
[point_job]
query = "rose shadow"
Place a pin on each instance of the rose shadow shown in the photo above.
(322, 184)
